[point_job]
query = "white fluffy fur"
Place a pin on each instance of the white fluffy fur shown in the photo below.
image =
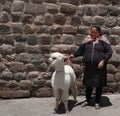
(62, 80)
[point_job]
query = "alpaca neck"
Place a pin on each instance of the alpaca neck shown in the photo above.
(60, 67)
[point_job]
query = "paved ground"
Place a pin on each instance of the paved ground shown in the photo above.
(44, 107)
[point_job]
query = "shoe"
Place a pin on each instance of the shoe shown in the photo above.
(97, 106)
(84, 104)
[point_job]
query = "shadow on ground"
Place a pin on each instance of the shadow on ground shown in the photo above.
(105, 102)
(61, 108)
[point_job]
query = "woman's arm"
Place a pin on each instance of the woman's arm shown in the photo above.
(80, 51)
(108, 51)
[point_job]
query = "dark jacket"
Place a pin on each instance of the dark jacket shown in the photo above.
(92, 54)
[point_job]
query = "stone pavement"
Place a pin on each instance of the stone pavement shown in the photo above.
(44, 107)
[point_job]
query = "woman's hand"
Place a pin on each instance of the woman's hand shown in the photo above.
(69, 59)
(101, 64)
(90, 40)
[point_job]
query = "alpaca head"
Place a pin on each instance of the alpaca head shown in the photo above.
(56, 58)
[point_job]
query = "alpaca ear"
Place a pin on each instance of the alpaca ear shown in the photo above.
(65, 56)
(51, 53)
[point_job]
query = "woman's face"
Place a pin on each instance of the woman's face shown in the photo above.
(94, 33)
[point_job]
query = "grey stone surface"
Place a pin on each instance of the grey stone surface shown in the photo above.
(45, 106)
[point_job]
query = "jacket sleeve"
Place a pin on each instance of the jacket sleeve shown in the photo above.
(108, 51)
(80, 50)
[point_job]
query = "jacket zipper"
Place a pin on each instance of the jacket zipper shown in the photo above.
(92, 51)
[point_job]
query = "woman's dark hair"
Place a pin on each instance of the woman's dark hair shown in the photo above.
(97, 28)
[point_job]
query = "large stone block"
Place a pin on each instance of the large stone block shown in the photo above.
(18, 6)
(90, 10)
(10, 94)
(5, 29)
(44, 92)
(111, 21)
(67, 9)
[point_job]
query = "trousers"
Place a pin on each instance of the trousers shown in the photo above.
(97, 96)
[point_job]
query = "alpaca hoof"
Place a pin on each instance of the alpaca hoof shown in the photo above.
(75, 101)
(67, 112)
(55, 109)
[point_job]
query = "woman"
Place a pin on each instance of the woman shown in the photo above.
(96, 51)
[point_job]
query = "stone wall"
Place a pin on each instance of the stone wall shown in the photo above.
(31, 29)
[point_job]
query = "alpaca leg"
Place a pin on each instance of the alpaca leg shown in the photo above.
(57, 98)
(65, 100)
(74, 91)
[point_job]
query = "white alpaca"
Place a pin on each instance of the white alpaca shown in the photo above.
(62, 80)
